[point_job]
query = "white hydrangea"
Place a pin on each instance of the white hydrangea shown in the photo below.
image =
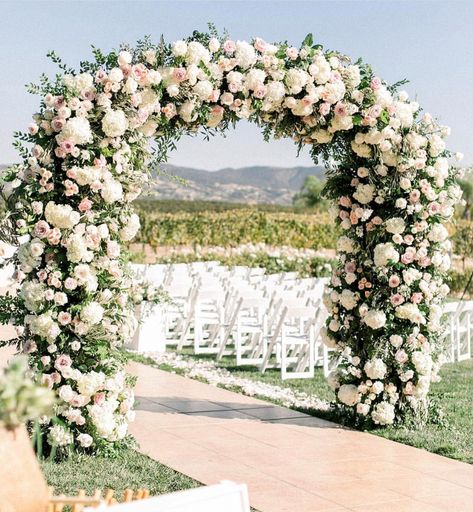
(438, 233)
(59, 436)
(114, 123)
(349, 394)
(61, 215)
(345, 244)
(32, 292)
(375, 368)
(410, 275)
(92, 313)
(422, 362)
(364, 193)
(395, 225)
(179, 48)
(203, 89)
(385, 254)
(197, 53)
(89, 383)
(295, 80)
(76, 130)
(77, 250)
(86, 175)
(111, 191)
(43, 326)
(245, 54)
(383, 413)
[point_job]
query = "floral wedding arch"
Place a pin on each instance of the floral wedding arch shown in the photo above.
(388, 175)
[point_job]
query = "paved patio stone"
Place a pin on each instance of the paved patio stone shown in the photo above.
(290, 461)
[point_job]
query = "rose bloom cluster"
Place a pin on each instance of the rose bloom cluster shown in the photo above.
(72, 195)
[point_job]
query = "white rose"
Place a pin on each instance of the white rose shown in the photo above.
(375, 319)
(348, 299)
(179, 48)
(85, 440)
(129, 230)
(327, 340)
(411, 312)
(115, 75)
(124, 58)
(395, 340)
(375, 369)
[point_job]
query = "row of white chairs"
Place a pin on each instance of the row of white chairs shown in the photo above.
(265, 320)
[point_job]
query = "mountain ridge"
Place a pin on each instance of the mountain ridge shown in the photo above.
(250, 184)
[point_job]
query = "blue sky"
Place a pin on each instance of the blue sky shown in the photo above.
(428, 42)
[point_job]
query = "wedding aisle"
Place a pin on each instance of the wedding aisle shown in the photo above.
(289, 460)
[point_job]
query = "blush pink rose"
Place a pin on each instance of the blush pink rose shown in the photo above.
(64, 318)
(85, 205)
(229, 46)
(62, 361)
(70, 283)
(401, 356)
(397, 299)
(41, 229)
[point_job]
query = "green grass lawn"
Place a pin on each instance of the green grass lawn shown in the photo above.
(131, 470)
(451, 436)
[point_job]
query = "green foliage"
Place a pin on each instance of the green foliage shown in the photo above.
(235, 227)
(463, 239)
(129, 470)
(311, 194)
(22, 399)
(178, 205)
(459, 282)
(467, 188)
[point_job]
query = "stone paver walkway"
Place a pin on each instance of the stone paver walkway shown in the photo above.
(290, 461)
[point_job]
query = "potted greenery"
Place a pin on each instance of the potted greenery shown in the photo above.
(22, 486)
